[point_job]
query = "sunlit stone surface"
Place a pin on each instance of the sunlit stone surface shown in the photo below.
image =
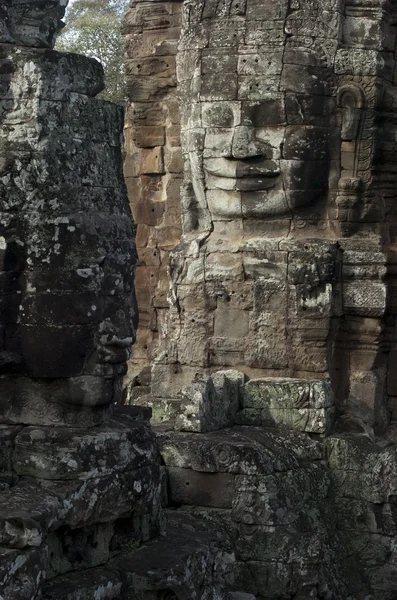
(286, 261)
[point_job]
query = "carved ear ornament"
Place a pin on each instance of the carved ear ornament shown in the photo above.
(351, 99)
(351, 95)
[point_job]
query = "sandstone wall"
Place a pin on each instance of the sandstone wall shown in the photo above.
(153, 166)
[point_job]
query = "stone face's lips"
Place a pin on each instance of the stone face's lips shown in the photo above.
(246, 176)
(256, 184)
(246, 170)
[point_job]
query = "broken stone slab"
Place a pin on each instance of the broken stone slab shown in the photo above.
(179, 565)
(193, 560)
(294, 499)
(98, 583)
(66, 453)
(215, 490)
(377, 556)
(21, 573)
(27, 512)
(258, 542)
(133, 493)
(58, 522)
(362, 516)
(162, 409)
(76, 549)
(31, 509)
(309, 420)
(357, 452)
(281, 393)
(300, 581)
(362, 469)
(305, 405)
(211, 402)
(239, 450)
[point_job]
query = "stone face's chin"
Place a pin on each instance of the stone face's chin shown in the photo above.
(263, 204)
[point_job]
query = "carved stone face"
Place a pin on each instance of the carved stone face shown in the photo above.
(259, 131)
(67, 251)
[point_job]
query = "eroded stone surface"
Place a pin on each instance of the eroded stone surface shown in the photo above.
(154, 166)
(68, 255)
(82, 490)
(211, 403)
(284, 272)
(269, 490)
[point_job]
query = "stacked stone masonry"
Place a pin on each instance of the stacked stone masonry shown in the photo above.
(275, 478)
(285, 267)
(153, 168)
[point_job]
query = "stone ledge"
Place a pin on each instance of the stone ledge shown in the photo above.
(180, 563)
(239, 450)
(66, 453)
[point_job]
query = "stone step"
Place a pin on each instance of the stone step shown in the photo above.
(180, 565)
(268, 489)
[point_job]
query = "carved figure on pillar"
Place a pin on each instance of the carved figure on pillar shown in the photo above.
(287, 192)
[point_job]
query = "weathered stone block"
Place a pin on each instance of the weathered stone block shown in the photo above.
(77, 454)
(309, 420)
(38, 27)
(211, 402)
(287, 393)
(21, 573)
(201, 489)
(231, 323)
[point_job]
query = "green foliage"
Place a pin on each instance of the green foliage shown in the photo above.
(93, 28)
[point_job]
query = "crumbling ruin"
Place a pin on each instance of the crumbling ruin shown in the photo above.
(260, 166)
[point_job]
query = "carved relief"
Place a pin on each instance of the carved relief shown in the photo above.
(280, 106)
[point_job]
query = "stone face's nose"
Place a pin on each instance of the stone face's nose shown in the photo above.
(244, 144)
